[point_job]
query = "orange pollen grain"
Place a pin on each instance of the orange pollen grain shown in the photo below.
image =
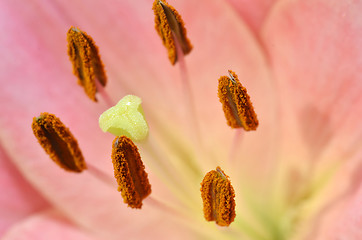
(87, 64)
(168, 22)
(236, 104)
(218, 198)
(58, 142)
(129, 172)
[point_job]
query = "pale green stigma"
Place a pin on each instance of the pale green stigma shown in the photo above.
(125, 119)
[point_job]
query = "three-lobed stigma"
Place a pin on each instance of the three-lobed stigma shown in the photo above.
(126, 118)
(169, 24)
(129, 172)
(236, 104)
(218, 198)
(58, 142)
(87, 64)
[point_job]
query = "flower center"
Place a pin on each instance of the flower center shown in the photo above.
(126, 120)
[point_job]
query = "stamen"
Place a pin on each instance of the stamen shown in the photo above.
(101, 175)
(126, 118)
(87, 64)
(218, 198)
(130, 172)
(238, 109)
(168, 21)
(235, 145)
(188, 97)
(58, 142)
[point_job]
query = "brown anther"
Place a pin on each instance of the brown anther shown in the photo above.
(130, 172)
(238, 109)
(58, 142)
(168, 22)
(218, 198)
(87, 64)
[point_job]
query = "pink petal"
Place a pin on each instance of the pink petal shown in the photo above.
(314, 49)
(315, 52)
(253, 12)
(44, 226)
(348, 225)
(18, 199)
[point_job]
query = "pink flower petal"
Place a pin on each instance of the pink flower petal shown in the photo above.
(46, 225)
(348, 225)
(18, 199)
(253, 12)
(315, 52)
(319, 68)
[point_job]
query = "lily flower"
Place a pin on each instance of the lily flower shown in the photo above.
(297, 176)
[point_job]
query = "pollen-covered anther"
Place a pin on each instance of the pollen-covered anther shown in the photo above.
(218, 198)
(168, 22)
(129, 172)
(87, 64)
(236, 104)
(58, 142)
